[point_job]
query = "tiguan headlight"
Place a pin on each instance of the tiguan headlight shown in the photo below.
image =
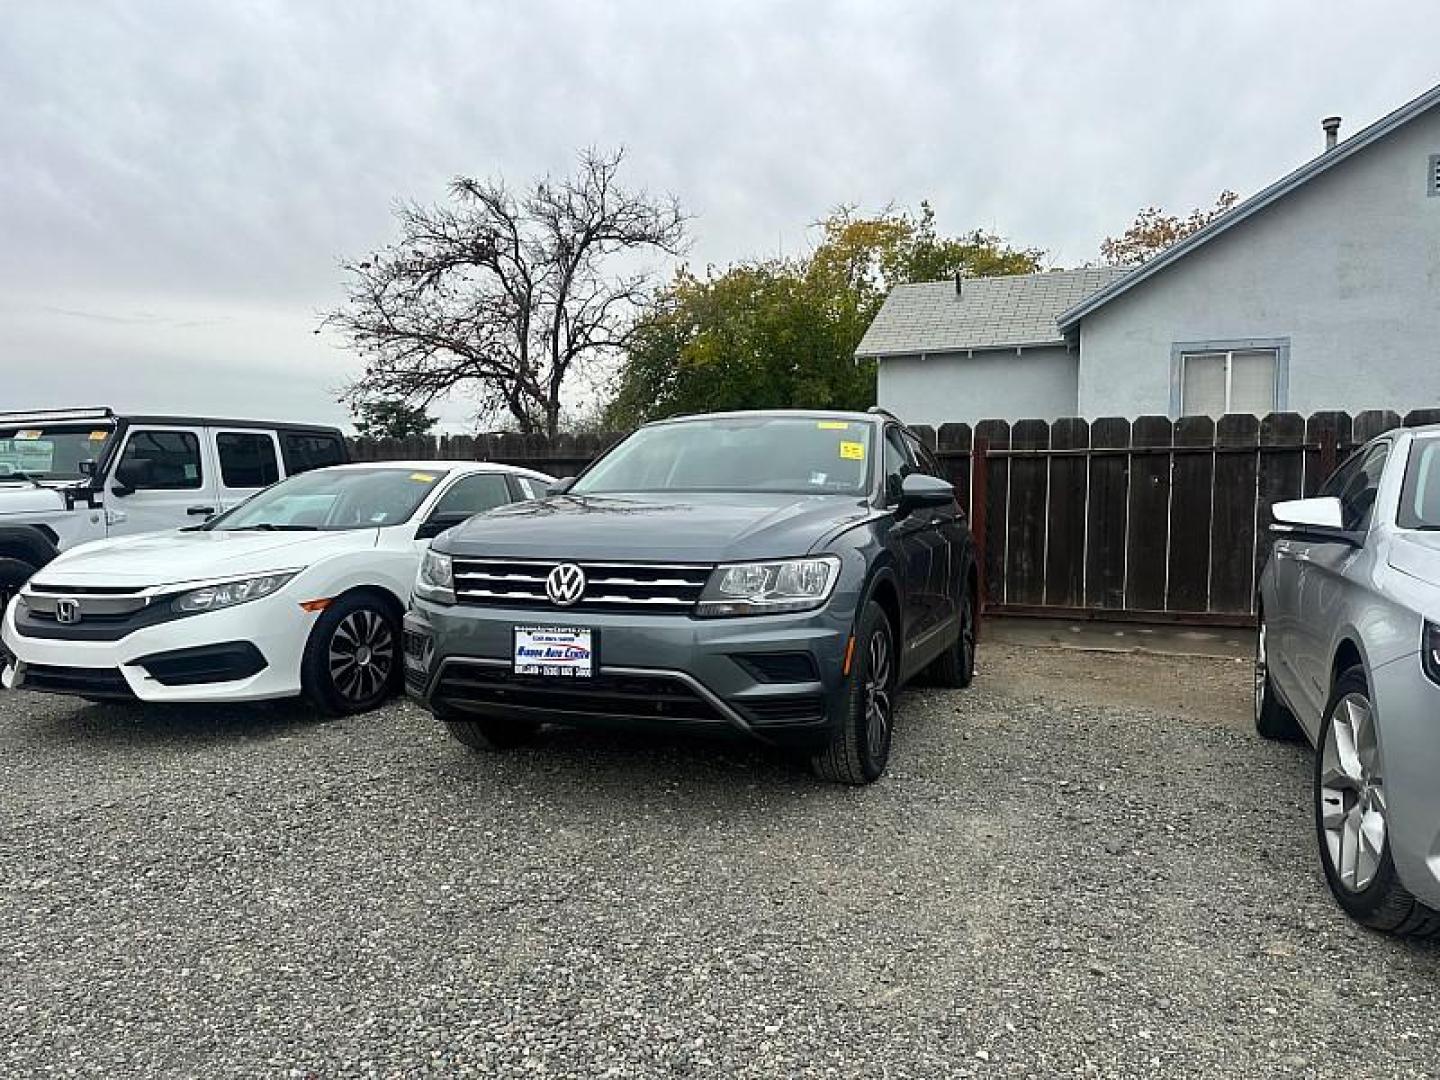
(436, 580)
(764, 588)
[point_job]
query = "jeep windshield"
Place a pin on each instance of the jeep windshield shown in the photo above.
(43, 451)
(333, 499)
(797, 454)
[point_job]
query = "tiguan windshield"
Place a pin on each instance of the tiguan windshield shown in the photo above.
(49, 451)
(806, 455)
(332, 499)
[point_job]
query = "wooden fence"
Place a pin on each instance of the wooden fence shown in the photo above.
(1152, 518)
(1146, 519)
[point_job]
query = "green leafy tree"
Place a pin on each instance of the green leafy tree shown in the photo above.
(387, 418)
(782, 333)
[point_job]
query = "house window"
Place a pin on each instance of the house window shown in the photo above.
(1220, 381)
(1432, 180)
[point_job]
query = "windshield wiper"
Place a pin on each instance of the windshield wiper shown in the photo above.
(16, 474)
(267, 526)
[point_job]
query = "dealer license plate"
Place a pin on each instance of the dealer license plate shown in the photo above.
(564, 652)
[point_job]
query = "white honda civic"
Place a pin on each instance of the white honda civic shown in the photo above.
(299, 590)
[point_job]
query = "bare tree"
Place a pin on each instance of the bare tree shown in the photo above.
(503, 295)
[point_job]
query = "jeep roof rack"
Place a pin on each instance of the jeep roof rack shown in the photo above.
(56, 414)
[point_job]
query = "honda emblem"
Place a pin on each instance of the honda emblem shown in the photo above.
(67, 611)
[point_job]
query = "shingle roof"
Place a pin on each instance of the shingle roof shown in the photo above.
(988, 313)
(1253, 205)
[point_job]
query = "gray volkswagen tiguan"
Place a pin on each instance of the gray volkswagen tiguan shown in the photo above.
(775, 574)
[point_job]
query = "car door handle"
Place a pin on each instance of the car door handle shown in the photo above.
(196, 511)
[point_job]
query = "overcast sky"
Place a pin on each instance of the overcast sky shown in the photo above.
(179, 179)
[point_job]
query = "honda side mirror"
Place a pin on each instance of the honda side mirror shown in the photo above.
(561, 486)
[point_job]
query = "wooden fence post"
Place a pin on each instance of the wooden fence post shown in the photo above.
(979, 478)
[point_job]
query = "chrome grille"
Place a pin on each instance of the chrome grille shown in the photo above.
(92, 605)
(657, 588)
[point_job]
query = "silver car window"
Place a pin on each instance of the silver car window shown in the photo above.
(1420, 496)
(1359, 488)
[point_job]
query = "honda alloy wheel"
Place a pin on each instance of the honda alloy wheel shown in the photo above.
(352, 661)
(361, 656)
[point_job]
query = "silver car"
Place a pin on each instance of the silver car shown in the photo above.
(1349, 655)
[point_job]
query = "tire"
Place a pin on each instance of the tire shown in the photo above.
(488, 733)
(1273, 720)
(955, 667)
(352, 660)
(1351, 818)
(13, 574)
(860, 750)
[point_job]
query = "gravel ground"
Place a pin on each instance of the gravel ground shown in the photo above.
(1083, 866)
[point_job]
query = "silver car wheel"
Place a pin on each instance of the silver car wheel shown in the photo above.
(362, 654)
(878, 695)
(1262, 671)
(1352, 794)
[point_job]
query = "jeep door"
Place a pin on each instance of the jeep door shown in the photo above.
(247, 460)
(161, 480)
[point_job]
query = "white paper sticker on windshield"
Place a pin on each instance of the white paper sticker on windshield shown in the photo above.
(28, 433)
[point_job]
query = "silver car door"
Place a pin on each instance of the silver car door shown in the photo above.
(1326, 572)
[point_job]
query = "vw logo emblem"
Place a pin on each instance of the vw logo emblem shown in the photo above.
(565, 584)
(67, 611)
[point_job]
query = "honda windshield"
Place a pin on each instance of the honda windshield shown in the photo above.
(43, 451)
(803, 455)
(333, 499)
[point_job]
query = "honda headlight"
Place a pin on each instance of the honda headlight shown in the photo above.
(230, 593)
(765, 588)
(436, 580)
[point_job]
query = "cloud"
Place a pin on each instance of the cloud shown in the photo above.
(181, 157)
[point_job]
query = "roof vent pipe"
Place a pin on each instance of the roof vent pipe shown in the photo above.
(1331, 124)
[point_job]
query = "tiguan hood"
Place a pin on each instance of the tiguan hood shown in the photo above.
(679, 527)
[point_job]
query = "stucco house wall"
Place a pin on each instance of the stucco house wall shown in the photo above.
(1342, 274)
(940, 388)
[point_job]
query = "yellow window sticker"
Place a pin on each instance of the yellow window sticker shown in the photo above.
(852, 451)
(99, 436)
(422, 477)
(833, 425)
(28, 433)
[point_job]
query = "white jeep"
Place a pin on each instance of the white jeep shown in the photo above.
(73, 475)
